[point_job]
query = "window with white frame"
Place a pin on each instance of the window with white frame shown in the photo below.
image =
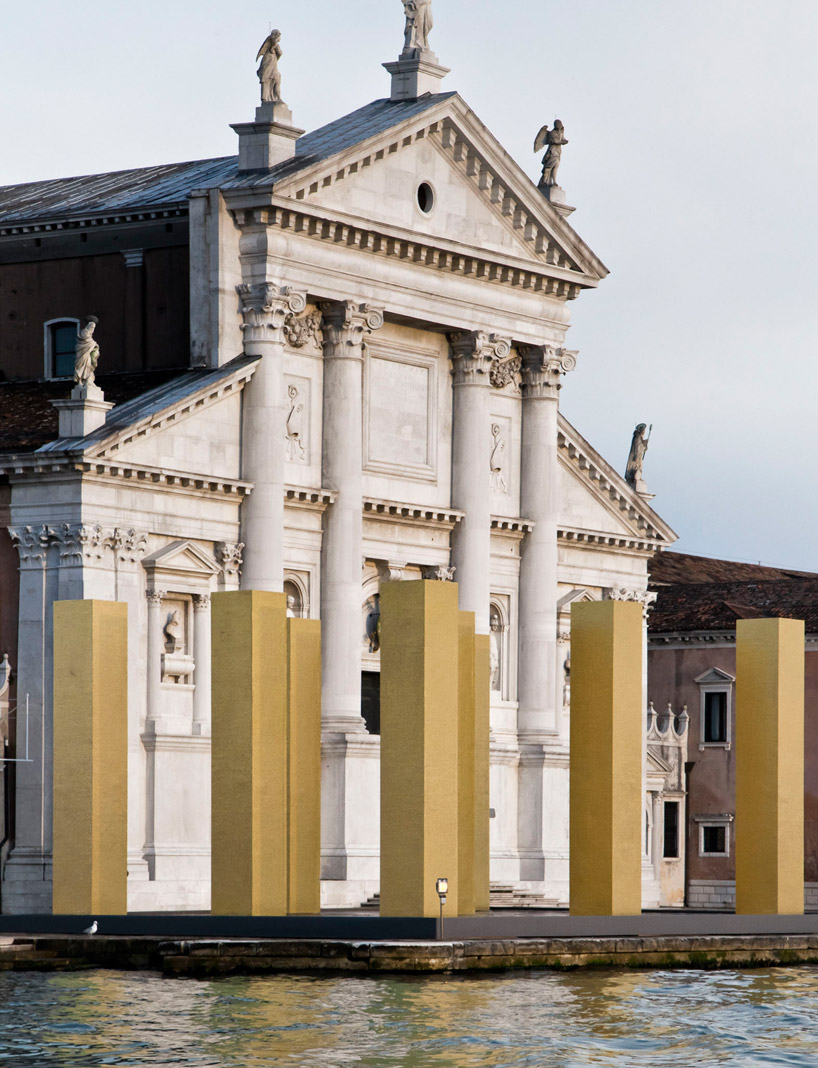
(715, 707)
(714, 835)
(60, 347)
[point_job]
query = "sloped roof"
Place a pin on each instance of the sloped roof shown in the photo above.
(28, 419)
(671, 567)
(715, 606)
(171, 184)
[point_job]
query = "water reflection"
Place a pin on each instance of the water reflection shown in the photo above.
(605, 1018)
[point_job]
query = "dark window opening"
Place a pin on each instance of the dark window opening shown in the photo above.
(426, 197)
(63, 349)
(714, 839)
(715, 717)
(371, 700)
(671, 838)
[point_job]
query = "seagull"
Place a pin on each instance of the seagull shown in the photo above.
(92, 929)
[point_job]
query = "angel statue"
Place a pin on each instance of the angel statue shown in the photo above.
(86, 353)
(418, 24)
(555, 139)
(636, 457)
(268, 72)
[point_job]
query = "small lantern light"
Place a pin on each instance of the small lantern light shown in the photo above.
(442, 888)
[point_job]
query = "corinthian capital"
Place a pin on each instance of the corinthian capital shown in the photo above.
(476, 355)
(345, 326)
(542, 368)
(265, 307)
(32, 544)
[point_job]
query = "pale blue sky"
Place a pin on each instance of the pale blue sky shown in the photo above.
(692, 129)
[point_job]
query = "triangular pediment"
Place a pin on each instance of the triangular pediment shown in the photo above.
(181, 565)
(656, 763)
(714, 676)
(597, 505)
(574, 597)
(483, 199)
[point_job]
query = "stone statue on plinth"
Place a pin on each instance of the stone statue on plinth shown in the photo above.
(418, 24)
(554, 139)
(636, 458)
(87, 354)
(268, 72)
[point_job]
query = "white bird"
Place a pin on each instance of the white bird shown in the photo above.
(92, 929)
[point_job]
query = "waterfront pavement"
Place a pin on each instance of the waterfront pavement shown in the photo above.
(364, 943)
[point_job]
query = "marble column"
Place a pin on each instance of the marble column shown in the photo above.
(154, 659)
(541, 731)
(345, 326)
(472, 354)
(542, 367)
(27, 874)
(264, 309)
(202, 658)
(350, 756)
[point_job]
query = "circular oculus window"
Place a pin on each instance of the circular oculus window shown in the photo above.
(425, 197)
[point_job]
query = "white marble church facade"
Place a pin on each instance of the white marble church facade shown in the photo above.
(377, 343)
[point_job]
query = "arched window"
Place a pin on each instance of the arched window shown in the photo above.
(295, 599)
(497, 648)
(60, 347)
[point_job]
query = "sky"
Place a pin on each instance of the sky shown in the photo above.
(691, 161)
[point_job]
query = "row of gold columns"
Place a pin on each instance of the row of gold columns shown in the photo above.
(434, 757)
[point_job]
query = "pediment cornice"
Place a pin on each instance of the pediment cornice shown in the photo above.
(648, 531)
(548, 245)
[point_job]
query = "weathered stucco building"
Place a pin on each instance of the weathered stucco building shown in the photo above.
(335, 361)
(692, 667)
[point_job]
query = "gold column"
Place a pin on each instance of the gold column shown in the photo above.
(90, 757)
(249, 874)
(466, 766)
(769, 845)
(606, 758)
(419, 754)
(482, 697)
(304, 845)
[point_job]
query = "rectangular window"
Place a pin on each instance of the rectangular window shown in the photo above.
(714, 839)
(64, 346)
(671, 838)
(715, 717)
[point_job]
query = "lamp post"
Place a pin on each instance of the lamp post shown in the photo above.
(442, 887)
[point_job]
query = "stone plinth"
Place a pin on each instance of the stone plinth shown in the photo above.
(90, 757)
(415, 75)
(606, 758)
(769, 766)
(268, 140)
(83, 412)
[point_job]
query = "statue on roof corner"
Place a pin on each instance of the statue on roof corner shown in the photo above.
(418, 24)
(268, 72)
(555, 139)
(86, 353)
(636, 457)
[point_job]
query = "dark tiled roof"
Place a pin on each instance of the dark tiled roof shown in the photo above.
(28, 420)
(697, 606)
(670, 567)
(118, 191)
(171, 184)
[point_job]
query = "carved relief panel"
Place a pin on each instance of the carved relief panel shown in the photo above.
(297, 428)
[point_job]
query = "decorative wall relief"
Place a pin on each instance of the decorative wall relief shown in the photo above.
(498, 459)
(505, 366)
(302, 330)
(297, 429)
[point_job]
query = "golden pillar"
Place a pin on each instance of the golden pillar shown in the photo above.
(266, 757)
(420, 653)
(466, 768)
(606, 758)
(482, 698)
(90, 757)
(769, 846)
(304, 838)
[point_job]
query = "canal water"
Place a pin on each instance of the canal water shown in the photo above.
(622, 1018)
